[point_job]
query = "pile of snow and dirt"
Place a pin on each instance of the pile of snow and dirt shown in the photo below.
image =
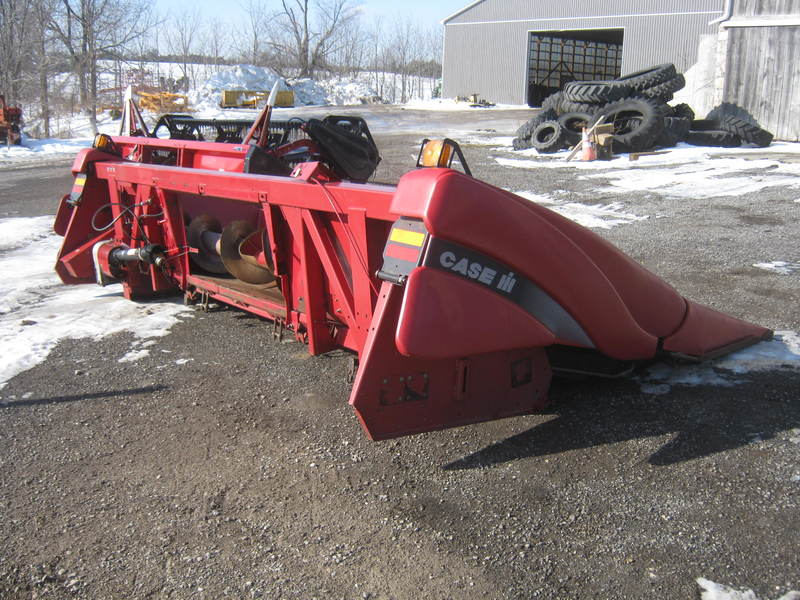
(342, 91)
(307, 92)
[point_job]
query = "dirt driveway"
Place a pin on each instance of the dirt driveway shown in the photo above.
(227, 464)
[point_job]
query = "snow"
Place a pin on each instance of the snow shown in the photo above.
(241, 77)
(450, 104)
(685, 172)
(782, 353)
(716, 591)
(594, 216)
(447, 104)
(32, 149)
(341, 91)
(469, 138)
(37, 310)
(781, 267)
(336, 91)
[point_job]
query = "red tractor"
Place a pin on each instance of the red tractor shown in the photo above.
(10, 123)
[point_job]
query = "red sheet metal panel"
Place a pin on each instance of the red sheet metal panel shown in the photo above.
(515, 232)
(707, 333)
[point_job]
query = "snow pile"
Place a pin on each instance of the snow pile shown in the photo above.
(335, 91)
(37, 310)
(716, 591)
(341, 91)
(239, 77)
(308, 92)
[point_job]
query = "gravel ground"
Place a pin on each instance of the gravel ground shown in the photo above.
(227, 464)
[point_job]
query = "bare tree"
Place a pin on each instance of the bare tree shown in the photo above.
(349, 49)
(305, 30)
(41, 39)
(213, 44)
(16, 18)
(184, 41)
(377, 56)
(250, 45)
(91, 30)
(403, 53)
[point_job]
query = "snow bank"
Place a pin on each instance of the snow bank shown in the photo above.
(341, 91)
(239, 77)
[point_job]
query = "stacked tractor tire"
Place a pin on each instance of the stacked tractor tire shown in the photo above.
(637, 105)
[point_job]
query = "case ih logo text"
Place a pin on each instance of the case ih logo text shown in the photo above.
(477, 271)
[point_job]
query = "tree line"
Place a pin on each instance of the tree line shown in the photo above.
(56, 54)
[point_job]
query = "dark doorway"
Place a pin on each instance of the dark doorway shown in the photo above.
(557, 57)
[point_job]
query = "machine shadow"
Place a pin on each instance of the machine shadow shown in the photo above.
(704, 421)
(77, 397)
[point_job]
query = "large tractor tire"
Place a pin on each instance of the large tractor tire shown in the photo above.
(553, 101)
(573, 123)
(675, 130)
(717, 139)
(638, 123)
(682, 111)
(548, 137)
(526, 129)
(749, 132)
(664, 91)
(596, 92)
(647, 78)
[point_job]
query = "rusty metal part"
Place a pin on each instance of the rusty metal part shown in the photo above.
(207, 255)
(239, 264)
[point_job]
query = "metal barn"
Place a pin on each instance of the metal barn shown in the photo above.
(519, 51)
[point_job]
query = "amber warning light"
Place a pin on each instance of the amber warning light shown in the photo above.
(440, 153)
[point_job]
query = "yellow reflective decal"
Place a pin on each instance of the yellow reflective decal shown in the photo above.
(403, 236)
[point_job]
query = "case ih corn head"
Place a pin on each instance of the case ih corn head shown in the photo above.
(459, 299)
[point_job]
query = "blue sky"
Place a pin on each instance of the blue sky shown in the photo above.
(427, 12)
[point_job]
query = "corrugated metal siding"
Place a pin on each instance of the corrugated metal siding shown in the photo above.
(751, 8)
(485, 61)
(763, 77)
(491, 59)
(492, 10)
